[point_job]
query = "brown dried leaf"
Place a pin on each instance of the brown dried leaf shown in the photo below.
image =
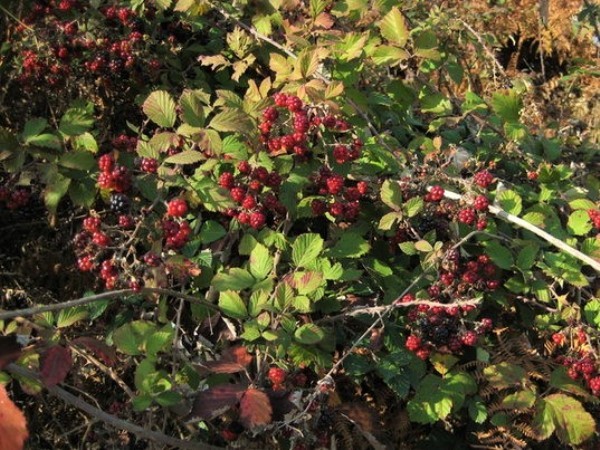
(102, 351)
(255, 409)
(10, 350)
(55, 365)
(13, 426)
(215, 401)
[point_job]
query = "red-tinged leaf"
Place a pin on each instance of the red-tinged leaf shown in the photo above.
(106, 354)
(55, 365)
(255, 408)
(13, 426)
(215, 401)
(233, 360)
(10, 350)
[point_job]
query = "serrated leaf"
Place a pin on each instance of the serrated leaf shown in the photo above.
(351, 245)
(46, 140)
(504, 375)
(235, 279)
(309, 334)
(582, 203)
(233, 360)
(408, 248)
(389, 55)
(191, 107)
(231, 119)
(391, 194)
(559, 379)
(306, 249)
(526, 256)
(592, 312)
(211, 231)
(413, 206)
(306, 283)
(573, 423)
(129, 338)
(423, 246)
(579, 223)
(77, 160)
(86, 141)
(255, 409)
(56, 189)
(393, 27)
(508, 106)
(232, 305)
(500, 255)
(519, 400)
(33, 127)
(69, 316)
(477, 411)
(159, 340)
(510, 202)
(55, 364)
(306, 64)
(13, 426)
(75, 121)
(160, 109)
(186, 157)
(261, 262)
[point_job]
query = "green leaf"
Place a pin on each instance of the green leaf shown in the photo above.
(526, 256)
(160, 109)
(33, 127)
(306, 248)
(389, 56)
(510, 202)
(388, 220)
(261, 262)
(500, 255)
(559, 379)
(191, 106)
(582, 203)
(168, 398)
(426, 45)
(306, 64)
(56, 189)
(307, 282)
(211, 231)
(78, 160)
(235, 279)
(309, 334)
(130, 337)
(393, 27)
(232, 119)
(141, 402)
(69, 316)
(46, 140)
(592, 312)
(477, 410)
(504, 375)
(232, 305)
(391, 194)
(159, 340)
(579, 223)
(573, 423)
(519, 400)
(186, 157)
(508, 106)
(413, 206)
(75, 121)
(423, 246)
(430, 404)
(351, 245)
(86, 141)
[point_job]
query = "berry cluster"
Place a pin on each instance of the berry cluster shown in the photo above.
(113, 50)
(340, 199)
(14, 198)
(113, 177)
(483, 179)
(442, 328)
(594, 215)
(255, 191)
(290, 127)
(581, 363)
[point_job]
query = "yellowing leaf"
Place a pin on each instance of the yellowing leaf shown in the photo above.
(393, 27)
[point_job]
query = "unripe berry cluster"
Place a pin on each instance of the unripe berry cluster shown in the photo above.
(14, 198)
(581, 363)
(256, 193)
(594, 215)
(341, 196)
(113, 177)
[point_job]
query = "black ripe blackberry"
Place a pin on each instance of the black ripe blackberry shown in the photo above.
(440, 335)
(119, 202)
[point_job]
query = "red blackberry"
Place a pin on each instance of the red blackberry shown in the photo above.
(466, 216)
(413, 343)
(483, 178)
(238, 194)
(257, 220)
(149, 165)
(481, 203)
(277, 375)
(177, 207)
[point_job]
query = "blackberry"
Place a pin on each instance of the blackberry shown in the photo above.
(119, 202)
(440, 335)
